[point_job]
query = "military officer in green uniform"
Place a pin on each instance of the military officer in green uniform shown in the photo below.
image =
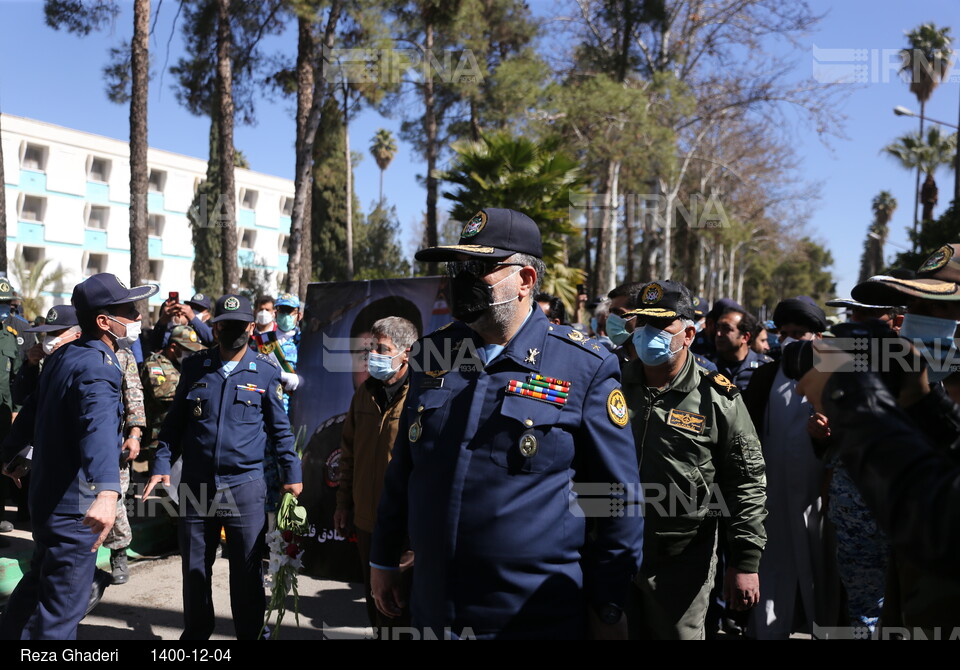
(10, 342)
(160, 375)
(702, 471)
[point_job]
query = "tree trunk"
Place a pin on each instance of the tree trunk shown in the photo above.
(3, 215)
(349, 175)
(298, 277)
(228, 189)
(612, 216)
(916, 190)
(592, 281)
(628, 222)
(666, 270)
(381, 189)
(303, 180)
(140, 79)
(432, 150)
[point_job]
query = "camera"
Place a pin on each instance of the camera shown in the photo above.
(873, 344)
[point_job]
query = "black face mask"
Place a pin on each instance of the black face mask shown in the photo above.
(232, 335)
(471, 297)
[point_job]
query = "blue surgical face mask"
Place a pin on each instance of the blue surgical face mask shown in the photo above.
(653, 346)
(286, 322)
(617, 329)
(933, 338)
(380, 366)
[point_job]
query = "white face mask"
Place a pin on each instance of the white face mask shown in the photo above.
(132, 333)
(264, 317)
(50, 344)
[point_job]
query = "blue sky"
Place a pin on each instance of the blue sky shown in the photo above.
(56, 77)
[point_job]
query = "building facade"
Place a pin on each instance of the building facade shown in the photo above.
(68, 201)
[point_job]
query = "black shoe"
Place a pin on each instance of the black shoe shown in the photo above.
(118, 565)
(101, 580)
(6, 527)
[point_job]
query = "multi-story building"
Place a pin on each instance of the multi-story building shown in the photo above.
(68, 200)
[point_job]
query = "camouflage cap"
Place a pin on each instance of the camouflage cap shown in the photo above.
(186, 337)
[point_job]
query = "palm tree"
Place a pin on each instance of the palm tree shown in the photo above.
(926, 60)
(535, 178)
(383, 147)
(871, 263)
(924, 155)
(34, 281)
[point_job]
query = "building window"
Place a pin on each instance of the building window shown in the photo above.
(248, 198)
(248, 238)
(96, 263)
(156, 181)
(32, 208)
(155, 225)
(99, 170)
(34, 158)
(32, 256)
(156, 269)
(97, 217)
(283, 243)
(286, 206)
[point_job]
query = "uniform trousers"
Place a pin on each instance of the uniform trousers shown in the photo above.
(239, 511)
(670, 595)
(50, 600)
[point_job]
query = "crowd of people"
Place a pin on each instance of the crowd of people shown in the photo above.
(668, 469)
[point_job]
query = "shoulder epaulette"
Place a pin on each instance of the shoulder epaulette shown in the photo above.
(577, 339)
(443, 327)
(12, 330)
(268, 359)
(727, 387)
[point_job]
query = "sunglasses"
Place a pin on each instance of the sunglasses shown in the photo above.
(478, 268)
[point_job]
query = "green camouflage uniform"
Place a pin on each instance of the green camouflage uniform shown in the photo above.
(702, 468)
(120, 536)
(160, 378)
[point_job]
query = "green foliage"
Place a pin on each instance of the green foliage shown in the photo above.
(932, 235)
(329, 214)
(383, 147)
(207, 242)
(195, 73)
(80, 17)
(927, 59)
(787, 273)
(535, 178)
(871, 261)
(35, 280)
(377, 253)
(928, 153)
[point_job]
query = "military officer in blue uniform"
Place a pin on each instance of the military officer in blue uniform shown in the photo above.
(736, 360)
(504, 414)
(73, 422)
(229, 402)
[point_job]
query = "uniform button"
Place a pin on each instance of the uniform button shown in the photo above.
(528, 446)
(420, 408)
(528, 422)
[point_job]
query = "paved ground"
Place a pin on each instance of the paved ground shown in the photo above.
(150, 607)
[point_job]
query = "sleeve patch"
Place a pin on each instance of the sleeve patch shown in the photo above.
(727, 387)
(617, 408)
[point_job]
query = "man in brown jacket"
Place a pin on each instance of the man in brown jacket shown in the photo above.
(369, 431)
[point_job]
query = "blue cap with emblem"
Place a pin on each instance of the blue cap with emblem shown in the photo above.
(233, 308)
(59, 317)
(288, 300)
(199, 302)
(493, 233)
(105, 289)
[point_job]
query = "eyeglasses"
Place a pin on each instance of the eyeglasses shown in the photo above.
(478, 268)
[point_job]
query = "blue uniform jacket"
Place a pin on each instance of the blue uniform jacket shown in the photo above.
(222, 425)
(501, 538)
(73, 422)
(741, 372)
